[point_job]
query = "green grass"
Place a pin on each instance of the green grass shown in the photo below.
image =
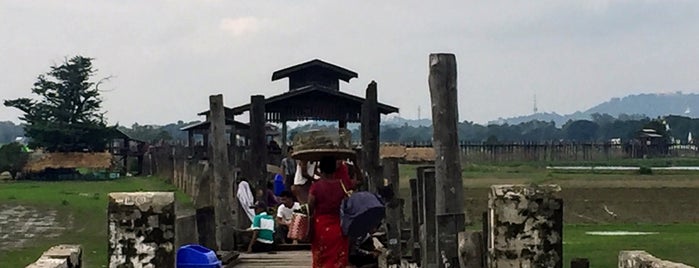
(85, 202)
(676, 242)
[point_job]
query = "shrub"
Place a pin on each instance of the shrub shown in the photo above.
(645, 170)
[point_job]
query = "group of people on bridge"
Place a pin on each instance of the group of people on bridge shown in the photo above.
(317, 189)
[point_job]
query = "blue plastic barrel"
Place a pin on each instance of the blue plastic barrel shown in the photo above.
(196, 256)
(278, 184)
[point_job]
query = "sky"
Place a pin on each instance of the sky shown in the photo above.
(166, 57)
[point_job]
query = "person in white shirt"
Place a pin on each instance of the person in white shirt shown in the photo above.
(284, 213)
(305, 175)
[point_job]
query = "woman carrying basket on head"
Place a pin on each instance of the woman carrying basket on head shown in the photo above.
(329, 246)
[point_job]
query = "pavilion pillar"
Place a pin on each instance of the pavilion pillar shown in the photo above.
(258, 147)
(450, 200)
(284, 138)
(223, 214)
(370, 138)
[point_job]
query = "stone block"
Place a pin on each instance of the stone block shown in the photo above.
(641, 259)
(525, 226)
(60, 256)
(141, 229)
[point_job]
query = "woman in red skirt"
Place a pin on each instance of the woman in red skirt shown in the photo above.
(330, 248)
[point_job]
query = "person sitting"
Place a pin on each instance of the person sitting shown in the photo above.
(284, 213)
(262, 230)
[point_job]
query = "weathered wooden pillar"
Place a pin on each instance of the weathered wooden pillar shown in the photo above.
(449, 184)
(414, 221)
(428, 234)
(258, 146)
(394, 211)
(471, 249)
(526, 226)
(370, 137)
(284, 139)
(223, 195)
(141, 229)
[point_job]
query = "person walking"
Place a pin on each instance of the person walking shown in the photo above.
(329, 246)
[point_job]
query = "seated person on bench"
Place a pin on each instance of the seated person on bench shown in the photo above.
(284, 213)
(262, 230)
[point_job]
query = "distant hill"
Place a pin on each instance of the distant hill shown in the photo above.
(650, 105)
(399, 121)
(9, 131)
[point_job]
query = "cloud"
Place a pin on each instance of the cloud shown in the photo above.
(240, 26)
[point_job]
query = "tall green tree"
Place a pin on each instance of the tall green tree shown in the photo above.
(67, 115)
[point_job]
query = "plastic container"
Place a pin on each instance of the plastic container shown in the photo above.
(278, 184)
(196, 256)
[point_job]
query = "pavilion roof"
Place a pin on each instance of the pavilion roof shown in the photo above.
(312, 102)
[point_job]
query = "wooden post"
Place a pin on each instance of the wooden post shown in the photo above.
(449, 184)
(429, 229)
(258, 148)
(284, 140)
(471, 249)
(370, 137)
(579, 263)
(225, 222)
(394, 211)
(414, 221)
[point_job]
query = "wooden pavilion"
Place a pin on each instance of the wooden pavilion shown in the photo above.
(314, 94)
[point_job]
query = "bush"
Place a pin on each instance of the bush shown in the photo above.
(12, 158)
(645, 171)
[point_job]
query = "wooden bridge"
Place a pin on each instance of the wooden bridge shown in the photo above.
(289, 259)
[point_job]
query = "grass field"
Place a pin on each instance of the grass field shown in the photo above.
(82, 203)
(86, 203)
(676, 242)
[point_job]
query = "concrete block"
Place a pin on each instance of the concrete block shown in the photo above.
(60, 256)
(141, 229)
(525, 226)
(641, 259)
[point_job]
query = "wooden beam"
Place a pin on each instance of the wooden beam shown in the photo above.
(394, 211)
(370, 138)
(284, 139)
(414, 220)
(225, 222)
(449, 184)
(428, 234)
(258, 146)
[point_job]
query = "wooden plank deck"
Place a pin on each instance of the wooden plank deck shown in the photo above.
(289, 259)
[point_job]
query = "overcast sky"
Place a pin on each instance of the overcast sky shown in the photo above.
(167, 57)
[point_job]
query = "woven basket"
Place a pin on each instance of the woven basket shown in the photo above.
(313, 145)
